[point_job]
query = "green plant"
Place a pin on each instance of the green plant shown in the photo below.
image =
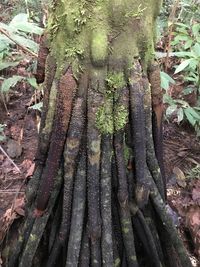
(185, 45)
(166, 80)
(181, 110)
(19, 33)
(194, 172)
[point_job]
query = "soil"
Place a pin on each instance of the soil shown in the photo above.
(21, 124)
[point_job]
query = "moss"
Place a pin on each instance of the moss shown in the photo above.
(99, 46)
(120, 117)
(85, 32)
(104, 118)
(112, 116)
(133, 14)
(115, 80)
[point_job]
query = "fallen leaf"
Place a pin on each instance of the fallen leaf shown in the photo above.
(30, 171)
(180, 177)
(20, 211)
(196, 194)
(14, 149)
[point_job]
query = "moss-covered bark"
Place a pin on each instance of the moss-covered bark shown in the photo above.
(101, 127)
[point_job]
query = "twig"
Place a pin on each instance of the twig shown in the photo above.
(10, 159)
(23, 47)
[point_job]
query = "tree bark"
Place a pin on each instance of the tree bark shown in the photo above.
(98, 194)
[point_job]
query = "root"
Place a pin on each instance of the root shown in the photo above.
(152, 162)
(169, 226)
(78, 211)
(106, 188)
(84, 259)
(125, 218)
(110, 187)
(93, 176)
(66, 88)
(139, 136)
(157, 105)
(39, 228)
(72, 148)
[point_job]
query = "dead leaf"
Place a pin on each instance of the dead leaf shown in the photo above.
(7, 166)
(19, 203)
(180, 177)
(14, 149)
(20, 211)
(9, 216)
(196, 194)
(30, 171)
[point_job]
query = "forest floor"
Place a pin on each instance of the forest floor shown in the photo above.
(181, 156)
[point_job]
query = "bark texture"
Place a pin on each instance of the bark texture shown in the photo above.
(97, 197)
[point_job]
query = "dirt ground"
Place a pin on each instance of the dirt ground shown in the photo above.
(20, 145)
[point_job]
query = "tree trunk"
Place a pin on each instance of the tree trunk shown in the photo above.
(97, 197)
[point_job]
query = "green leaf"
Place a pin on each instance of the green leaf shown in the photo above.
(5, 65)
(37, 106)
(29, 28)
(194, 63)
(165, 80)
(182, 30)
(2, 138)
(190, 118)
(3, 44)
(26, 42)
(188, 44)
(183, 54)
(20, 22)
(182, 102)
(188, 90)
(183, 65)
(168, 99)
(182, 25)
(196, 29)
(170, 110)
(2, 126)
(10, 82)
(194, 113)
(180, 115)
(32, 82)
(196, 49)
